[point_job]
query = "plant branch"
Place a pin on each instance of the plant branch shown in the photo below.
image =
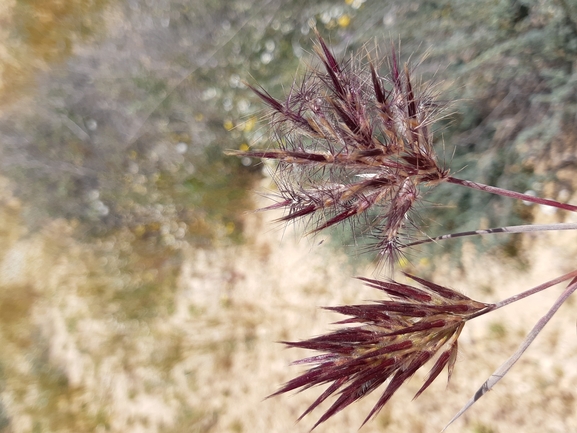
(511, 194)
(509, 229)
(506, 366)
(534, 290)
(525, 294)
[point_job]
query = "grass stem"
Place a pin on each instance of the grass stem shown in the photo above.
(511, 194)
(509, 229)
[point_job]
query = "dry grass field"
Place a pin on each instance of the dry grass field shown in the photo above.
(95, 342)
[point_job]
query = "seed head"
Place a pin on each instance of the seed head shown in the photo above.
(350, 142)
(395, 338)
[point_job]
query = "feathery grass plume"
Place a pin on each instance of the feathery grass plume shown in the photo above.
(395, 339)
(351, 141)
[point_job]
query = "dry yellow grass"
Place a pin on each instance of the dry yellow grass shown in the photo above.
(200, 355)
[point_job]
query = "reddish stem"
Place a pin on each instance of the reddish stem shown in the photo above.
(511, 194)
(534, 290)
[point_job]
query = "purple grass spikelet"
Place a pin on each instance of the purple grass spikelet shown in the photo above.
(352, 142)
(395, 339)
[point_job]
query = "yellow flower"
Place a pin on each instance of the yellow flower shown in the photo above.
(344, 20)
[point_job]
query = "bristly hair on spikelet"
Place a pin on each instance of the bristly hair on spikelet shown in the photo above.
(351, 141)
(395, 339)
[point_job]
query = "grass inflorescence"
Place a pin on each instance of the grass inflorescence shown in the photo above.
(355, 144)
(350, 142)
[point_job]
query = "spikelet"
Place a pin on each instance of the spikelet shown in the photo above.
(395, 339)
(350, 142)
